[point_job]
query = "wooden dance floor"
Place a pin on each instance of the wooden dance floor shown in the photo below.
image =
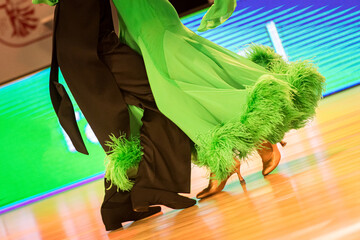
(313, 194)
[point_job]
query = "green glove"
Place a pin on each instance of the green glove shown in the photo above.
(218, 13)
(48, 2)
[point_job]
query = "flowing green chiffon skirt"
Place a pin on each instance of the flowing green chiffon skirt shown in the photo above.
(227, 104)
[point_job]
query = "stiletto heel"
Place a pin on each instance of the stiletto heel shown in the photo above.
(241, 179)
(216, 187)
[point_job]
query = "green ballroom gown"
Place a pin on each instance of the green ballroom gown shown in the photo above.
(226, 103)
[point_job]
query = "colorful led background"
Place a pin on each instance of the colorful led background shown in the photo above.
(35, 154)
(328, 32)
(37, 158)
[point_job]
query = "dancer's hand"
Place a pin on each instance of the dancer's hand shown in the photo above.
(218, 13)
(48, 2)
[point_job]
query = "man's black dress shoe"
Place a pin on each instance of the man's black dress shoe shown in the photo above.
(113, 217)
(142, 198)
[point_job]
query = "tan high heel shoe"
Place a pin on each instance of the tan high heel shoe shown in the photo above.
(215, 186)
(270, 156)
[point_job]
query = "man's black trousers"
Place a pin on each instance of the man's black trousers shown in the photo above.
(166, 163)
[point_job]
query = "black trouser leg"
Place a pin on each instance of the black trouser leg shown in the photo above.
(165, 167)
(117, 208)
(166, 161)
(115, 203)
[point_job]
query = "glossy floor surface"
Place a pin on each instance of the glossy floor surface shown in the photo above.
(313, 194)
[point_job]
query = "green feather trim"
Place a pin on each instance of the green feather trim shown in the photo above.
(276, 104)
(263, 56)
(124, 155)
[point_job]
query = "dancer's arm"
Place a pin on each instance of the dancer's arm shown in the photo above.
(218, 13)
(48, 2)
